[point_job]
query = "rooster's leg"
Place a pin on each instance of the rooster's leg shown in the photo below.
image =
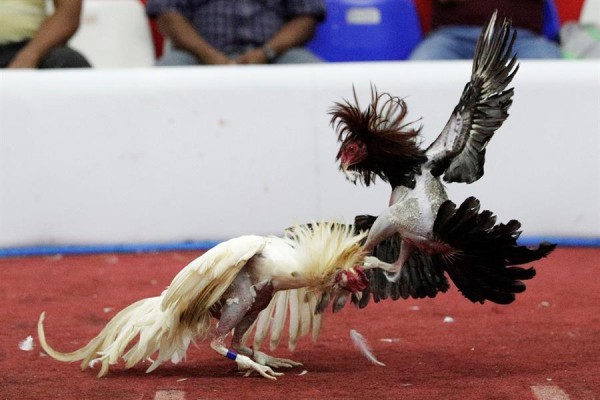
(382, 229)
(237, 312)
(264, 295)
(392, 271)
(258, 356)
(386, 225)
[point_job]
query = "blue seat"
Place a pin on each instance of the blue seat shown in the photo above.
(367, 30)
(551, 27)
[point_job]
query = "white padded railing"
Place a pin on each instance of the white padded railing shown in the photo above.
(207, 153)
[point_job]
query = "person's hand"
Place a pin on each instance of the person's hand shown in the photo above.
(254, 56)
(25, 59)
(218, 59)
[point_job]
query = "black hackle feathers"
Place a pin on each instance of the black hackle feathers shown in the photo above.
(392, 145)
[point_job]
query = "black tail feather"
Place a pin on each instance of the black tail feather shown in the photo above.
(484, 267)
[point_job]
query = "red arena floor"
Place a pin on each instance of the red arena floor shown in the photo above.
(546, 345)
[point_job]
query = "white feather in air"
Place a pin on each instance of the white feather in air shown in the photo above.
(361, 343)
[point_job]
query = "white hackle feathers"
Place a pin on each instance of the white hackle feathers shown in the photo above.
(324, 248)
(361, 344)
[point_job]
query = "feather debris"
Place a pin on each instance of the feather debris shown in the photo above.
(389, 340)
(361, 343)
(26, 344)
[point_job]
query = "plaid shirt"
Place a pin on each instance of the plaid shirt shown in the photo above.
(234, 26)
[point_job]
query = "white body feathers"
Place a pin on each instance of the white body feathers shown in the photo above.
(298, 266)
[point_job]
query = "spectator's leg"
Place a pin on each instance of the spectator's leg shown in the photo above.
(64, 57)
(8, 52)
(453, 43)
(174, 57)
(530, 45)
(297, 55)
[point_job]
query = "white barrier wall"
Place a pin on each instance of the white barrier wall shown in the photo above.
(175, 154)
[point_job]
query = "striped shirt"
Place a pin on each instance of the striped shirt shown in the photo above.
(234, 26)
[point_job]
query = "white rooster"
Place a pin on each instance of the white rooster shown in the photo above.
(233, 282)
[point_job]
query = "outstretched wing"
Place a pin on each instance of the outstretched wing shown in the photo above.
(203, 281)
(459, 151)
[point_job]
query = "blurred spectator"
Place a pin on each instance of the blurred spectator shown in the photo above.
(29, 38)
(580, 41)
(236, 31)
(456, 25)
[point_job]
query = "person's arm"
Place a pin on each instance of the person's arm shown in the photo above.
(294, 33)
(176, 27)
(55, 31)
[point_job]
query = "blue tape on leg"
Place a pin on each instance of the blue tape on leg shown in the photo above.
(232, 355)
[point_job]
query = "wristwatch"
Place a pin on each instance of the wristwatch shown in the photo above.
(269, 52)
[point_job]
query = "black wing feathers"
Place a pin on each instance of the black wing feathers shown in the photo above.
(422, 275)
(459, 151)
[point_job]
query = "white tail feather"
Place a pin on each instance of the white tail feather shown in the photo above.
(361, 343)
(155, 328)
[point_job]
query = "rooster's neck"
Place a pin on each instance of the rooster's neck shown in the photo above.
(401, 174)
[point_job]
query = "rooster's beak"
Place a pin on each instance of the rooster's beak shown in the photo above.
(351, 175)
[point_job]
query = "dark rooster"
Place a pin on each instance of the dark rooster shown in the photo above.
(423, 236)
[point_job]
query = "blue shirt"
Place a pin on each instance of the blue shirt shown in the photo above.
(234, 26)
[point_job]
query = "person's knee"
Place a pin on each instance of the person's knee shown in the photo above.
(538, 49)
(298, 55)
(64, 57)
(175, 57)
(450, 43)
(434, 47)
